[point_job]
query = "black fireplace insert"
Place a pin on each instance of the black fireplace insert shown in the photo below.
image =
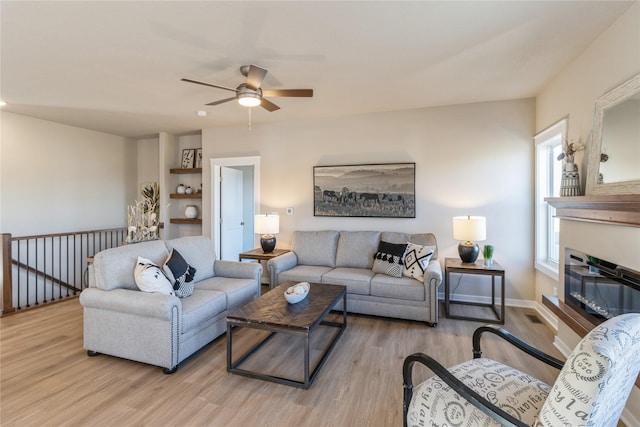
(599, 289)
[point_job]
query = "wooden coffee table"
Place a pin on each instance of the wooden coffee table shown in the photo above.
(271, 312)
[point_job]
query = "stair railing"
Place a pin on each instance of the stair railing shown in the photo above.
(43, 269)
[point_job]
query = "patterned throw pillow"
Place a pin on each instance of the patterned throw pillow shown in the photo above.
(388, 259)
(150, 277)
(416, 260)
(179, 273)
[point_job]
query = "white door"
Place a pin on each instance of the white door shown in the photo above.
(231, 220)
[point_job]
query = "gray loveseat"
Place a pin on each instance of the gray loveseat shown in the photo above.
(346, 258)
(155, 328)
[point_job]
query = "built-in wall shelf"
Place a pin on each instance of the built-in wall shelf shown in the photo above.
(571, 318)
(615, 209)
(197, 221)
(186, 196)
(185, 170)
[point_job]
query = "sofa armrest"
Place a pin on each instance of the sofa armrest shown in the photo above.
(238, 270)
(144, 304)
(433, 274)
(279, 264)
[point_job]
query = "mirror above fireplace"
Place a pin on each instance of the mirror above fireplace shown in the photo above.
(614, 152)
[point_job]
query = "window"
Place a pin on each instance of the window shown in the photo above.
(548, 145)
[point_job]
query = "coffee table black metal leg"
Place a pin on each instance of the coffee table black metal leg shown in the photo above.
(306, 361)
(229, 347)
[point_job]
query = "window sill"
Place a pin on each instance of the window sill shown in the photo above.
(548, 269)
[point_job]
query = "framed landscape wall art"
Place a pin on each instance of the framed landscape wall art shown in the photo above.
(373, 190)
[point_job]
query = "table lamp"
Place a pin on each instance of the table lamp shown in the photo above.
(267, 225)
(469, 230)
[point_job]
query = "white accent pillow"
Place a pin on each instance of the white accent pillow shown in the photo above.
(150, 277)
(416, 260)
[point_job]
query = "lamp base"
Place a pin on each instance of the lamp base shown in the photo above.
(268, 243)
(468, 252)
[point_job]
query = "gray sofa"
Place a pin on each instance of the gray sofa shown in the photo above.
(346, 258)
(155, 328)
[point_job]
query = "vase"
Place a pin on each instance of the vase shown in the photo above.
(570, 183)
(181, 189)
(191, 212)
(487, 262)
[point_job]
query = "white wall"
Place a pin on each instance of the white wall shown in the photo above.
(59, 178)
(470, 159)
(148, 164)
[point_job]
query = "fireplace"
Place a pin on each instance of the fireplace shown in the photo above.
(599, 289)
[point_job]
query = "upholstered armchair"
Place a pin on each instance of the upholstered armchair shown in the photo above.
(591, 389)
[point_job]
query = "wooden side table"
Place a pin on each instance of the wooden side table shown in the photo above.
(259, 255)
(455, 265)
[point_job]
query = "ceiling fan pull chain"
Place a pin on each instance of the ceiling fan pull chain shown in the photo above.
(249, 124)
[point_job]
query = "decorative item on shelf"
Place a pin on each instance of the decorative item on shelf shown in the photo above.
(469, 229)
(188, 158)
(570, 182)
(191, 212)
(487, 254)
(181, 189)
(296, 293)
(188, 190)
(267, 225)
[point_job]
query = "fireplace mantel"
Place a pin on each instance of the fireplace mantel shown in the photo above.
(616, 209)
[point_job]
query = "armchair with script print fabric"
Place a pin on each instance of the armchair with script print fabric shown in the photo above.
(591, 389)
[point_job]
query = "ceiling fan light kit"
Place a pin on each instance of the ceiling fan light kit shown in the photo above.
(248, 97)
(249, 94)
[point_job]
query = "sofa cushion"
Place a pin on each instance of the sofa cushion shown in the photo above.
(304, 273)
(114, 267)
(149, 277)
(238, 291)
(394, 237)
(388, 259)
(398, 288)
(202, 306)
(356, 280)
(356, 248)
(425, 239)
(416, 260)
(179, 273)
(315, 247)
(198, 251)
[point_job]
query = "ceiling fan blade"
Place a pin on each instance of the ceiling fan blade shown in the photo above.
(300, 93)
(268, 105)
(255, 76)
(207, 84)
(222, 101)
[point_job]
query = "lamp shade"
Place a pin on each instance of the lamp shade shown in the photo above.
(266, 224)
(470, 228)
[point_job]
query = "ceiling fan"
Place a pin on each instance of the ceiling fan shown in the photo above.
(249, 94)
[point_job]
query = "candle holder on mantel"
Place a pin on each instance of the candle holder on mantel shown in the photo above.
(570, 183)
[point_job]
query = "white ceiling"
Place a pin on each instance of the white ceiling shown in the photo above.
(116, 66)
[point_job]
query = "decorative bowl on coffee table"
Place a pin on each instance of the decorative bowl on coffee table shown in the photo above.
(296, 293)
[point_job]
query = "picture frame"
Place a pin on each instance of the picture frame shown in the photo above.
(188, 157)
(198, 159)
(369, 190)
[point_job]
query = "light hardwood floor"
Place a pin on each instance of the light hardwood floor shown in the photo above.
(47, 379)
